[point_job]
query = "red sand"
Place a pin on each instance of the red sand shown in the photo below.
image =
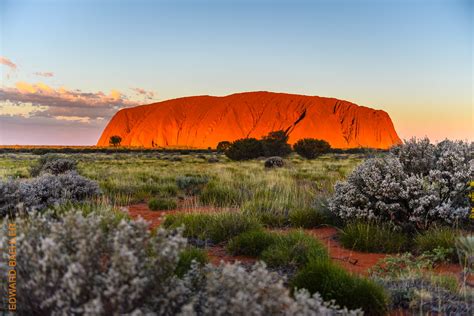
(204, 121)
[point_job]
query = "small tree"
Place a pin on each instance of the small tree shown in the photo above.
(311, 148)
(115, 140)
(245, 149)
(276, 144)
(223, 146)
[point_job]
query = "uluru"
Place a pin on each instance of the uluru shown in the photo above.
(204, 121)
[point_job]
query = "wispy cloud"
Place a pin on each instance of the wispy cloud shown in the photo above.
(62, 103)
(44, 74)
(7, 62)
(149, 95)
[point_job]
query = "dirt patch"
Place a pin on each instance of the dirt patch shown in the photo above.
(141, 210)
(218, 253)
(353, 261)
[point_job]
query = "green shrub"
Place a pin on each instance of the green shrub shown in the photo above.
(223, 146)
(311, 148)
(437, 237)
(371, 237)
(294, 249)
(306, 217)
(186, 258)
(217, 227)
(334, 283)
(276, 144)
(245, 149)
(218, 195)
(251, 243)
(161, 204)
(191, 184)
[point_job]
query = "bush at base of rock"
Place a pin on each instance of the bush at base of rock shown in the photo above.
(274, 162)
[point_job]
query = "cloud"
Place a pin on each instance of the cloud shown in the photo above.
(44, 74)
(7, 62)
(147, 94)
(62, 103)
(25, 110)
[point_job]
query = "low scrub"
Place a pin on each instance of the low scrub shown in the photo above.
(334, 283)
(188, 257)
(293, 249)
(216, 227)
(373, 237)
(156, 204)
(218, 195)
(251, 243)
(311, 148)
(53, 165)
(306, 217)
(438, 237)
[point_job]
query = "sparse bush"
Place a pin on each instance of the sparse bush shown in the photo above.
(334, 283)
(245, 149)
(276, 144)
(187, 257)
(156, 204)
(373, 237)
(274, 162)
(311, 148)
(387, 189)
(251, 243)
(115, 140)
(294, 249)
(191, 185)
(223, 146)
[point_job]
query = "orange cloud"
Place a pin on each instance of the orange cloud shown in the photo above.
(7, 62)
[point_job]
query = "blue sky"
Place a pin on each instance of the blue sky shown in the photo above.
(412, 59)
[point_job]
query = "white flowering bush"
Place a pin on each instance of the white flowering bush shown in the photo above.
(81, 265)
(53, 165)
(417, 185)
(92, 265)
(230, 289)
(44, 191)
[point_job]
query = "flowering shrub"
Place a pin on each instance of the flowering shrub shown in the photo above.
(229, 289)
(92, 265)
(45, 191)
(415, 186)
(78, 266)
(53, 165)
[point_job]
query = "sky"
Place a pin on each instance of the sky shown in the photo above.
(67, 66)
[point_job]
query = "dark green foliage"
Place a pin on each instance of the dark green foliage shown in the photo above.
(157, 204)
(276, 144)
(187, 257)
(223, 146)
(52, 164)
(372, 237)
(245, 149)
(294, 249)
(334, 283)
(115, 140)
(311, 148)
(251, 243)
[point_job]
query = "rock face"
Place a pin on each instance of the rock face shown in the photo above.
(204, 121)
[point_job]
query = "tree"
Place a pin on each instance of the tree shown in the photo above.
(311, 148)
(245, 149)
(223, 146)
(276, 144)
(115, 140)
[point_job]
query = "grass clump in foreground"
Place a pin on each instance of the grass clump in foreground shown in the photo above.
(216, 227)
(187, 257)
(158, 204)
(293, 249)
(334, 283)
(372, 237)
(436, 238)
(251, 243)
